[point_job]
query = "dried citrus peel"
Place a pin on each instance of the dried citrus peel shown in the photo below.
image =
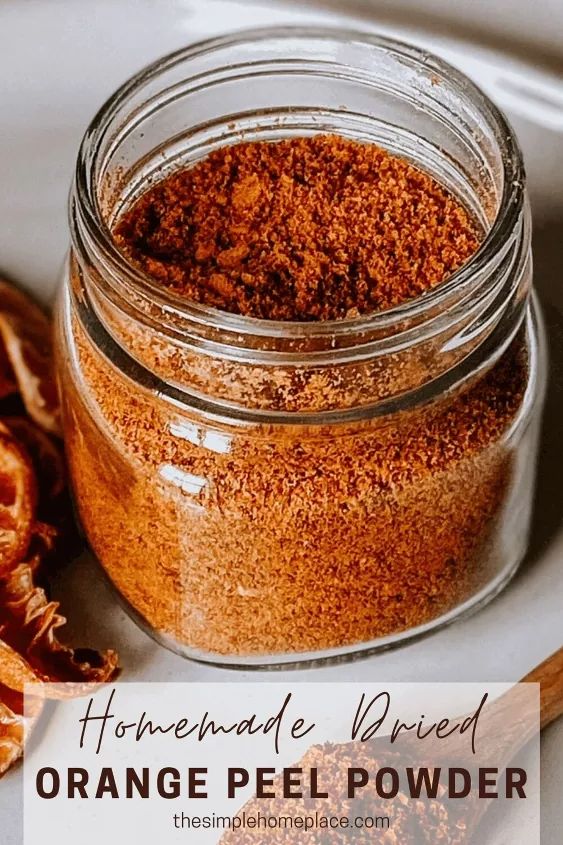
(17, 501)
(26, 335)
(15, 727)
(7, 381)
(46, 455)
(35, 530)
(28, 624)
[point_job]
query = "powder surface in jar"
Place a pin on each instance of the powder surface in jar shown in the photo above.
(312, 228)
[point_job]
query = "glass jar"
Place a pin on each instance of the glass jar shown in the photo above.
(265, 492)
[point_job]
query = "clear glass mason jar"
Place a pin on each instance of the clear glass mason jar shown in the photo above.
(265, 492)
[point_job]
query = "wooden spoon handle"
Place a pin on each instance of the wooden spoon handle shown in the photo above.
(549, 675)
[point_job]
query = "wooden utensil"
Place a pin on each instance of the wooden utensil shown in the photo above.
(505, 727)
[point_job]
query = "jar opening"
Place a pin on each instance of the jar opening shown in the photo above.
(92, 172)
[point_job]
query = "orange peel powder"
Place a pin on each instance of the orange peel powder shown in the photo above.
(264, 539)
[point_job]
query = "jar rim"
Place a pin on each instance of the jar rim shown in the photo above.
(140, 284)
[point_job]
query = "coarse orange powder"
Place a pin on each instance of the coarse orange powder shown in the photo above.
(303, 229)
(268, 539)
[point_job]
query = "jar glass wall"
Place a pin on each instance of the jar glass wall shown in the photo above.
(264, 492)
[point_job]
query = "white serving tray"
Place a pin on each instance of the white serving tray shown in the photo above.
(59, 59)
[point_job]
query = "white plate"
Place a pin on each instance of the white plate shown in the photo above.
(59, 59)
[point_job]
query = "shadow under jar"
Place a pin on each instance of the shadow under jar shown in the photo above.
(266, 492)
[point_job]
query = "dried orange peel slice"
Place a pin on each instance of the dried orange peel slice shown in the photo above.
(36, 529)
(17, 501)
(11, 737)
(15, 672)
(54, 505)
(28, 625)
(7, 381)
(26, 335)
(45, 452)
(15, 727)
